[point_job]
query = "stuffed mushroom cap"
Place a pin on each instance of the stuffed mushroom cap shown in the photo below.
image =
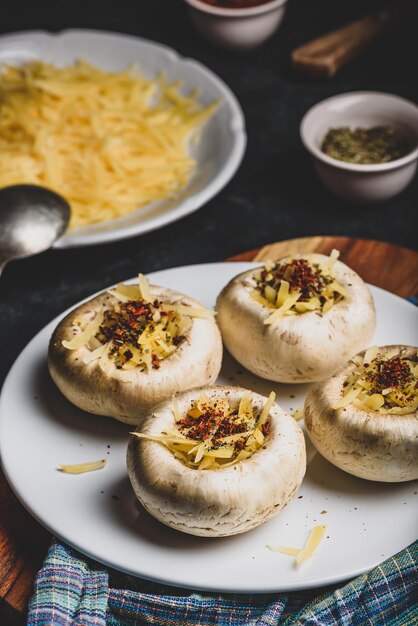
(296, 348)
(370, 444)
(216, 502)
(101, 387)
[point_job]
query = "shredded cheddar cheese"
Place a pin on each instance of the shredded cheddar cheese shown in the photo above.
(382, 383)
(297, 286)
(109, 142)
(214, 434)
(82, 468)
(133, 329)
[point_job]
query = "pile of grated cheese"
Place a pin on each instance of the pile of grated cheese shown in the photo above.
(382, 382)
(132, 329)
(109, 142)
(201, 438)
(297, 286)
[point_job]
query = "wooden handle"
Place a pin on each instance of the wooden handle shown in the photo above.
(325, 55)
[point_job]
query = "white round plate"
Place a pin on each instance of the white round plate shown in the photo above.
(98, 514)
(222, 142)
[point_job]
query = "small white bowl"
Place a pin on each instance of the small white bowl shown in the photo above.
(352, 181)
(237, 29)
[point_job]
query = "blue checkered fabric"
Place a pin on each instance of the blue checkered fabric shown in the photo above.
(71, 590)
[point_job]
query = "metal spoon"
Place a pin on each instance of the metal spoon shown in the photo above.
(31, 219)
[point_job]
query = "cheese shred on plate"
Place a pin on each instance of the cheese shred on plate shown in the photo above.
(133, 329)
(214, 434)
(82, 468)
(302, 554)
(109, 142)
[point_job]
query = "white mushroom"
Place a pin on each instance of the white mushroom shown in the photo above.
(365, 423)
(123, 380)
(276, 335)
(216, 502)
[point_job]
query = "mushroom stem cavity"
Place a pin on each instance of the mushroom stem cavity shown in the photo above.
(216, 433)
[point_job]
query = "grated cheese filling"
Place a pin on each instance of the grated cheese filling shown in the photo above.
(382, 383)
(297, 286)
(133, 330)
(109, 142)
(214, 434)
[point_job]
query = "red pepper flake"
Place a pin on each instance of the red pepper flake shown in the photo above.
(215, 424)
(394, 373)
(301, 276)
(155, 361)
(123, 327)
(235, 4)
(240, 444)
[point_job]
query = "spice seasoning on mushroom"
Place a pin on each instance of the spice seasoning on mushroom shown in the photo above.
(214, 434)
(298, 286)
(382, 381)
(132, 347)
(296, 319)
(364, 419)
(216, 461)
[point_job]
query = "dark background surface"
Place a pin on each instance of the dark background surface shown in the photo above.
(275, 194)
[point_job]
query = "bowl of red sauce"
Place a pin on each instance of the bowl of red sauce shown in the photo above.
(236, 24)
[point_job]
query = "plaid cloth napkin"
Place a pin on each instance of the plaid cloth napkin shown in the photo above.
(72, 590)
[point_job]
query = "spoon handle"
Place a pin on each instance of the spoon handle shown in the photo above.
(322, 57)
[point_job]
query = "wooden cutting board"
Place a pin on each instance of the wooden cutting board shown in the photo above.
(24, 542)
